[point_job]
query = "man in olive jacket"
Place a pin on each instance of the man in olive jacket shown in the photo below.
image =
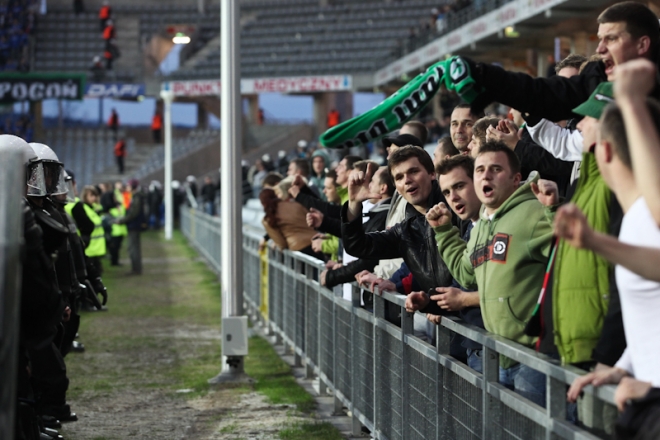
(136, 222)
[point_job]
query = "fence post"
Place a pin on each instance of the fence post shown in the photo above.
(297, 362)
(379, 314)
(11, 187)
(355, 297)
(406, 329)
(490, 412)
(555, 403)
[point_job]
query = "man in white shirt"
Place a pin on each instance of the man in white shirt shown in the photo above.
(640, 297)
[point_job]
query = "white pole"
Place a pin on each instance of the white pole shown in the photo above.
(168, 97)
(230, 207)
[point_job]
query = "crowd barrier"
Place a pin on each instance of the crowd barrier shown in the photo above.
(391, 382)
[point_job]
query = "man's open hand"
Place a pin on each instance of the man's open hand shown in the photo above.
(358, 185)
(296, 186)
(506, 132)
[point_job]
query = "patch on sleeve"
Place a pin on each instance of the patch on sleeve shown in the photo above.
(496, 250)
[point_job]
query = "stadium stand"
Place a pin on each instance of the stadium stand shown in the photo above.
(86, 152)
(278, 37)
(17, 23)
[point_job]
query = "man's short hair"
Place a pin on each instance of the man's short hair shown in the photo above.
(332, 174)
(479, 128)
(350, 161)
(496, 147)
(461, 161)
(272, 179)
(467, 106)
(447, 147)
(362, 165)
(419, 130)
(640, 21)
(386, 179)
(613, 129)
(408, 152)
(574, 60)
(302, 165)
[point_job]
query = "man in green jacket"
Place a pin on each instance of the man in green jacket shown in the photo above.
(506, 255)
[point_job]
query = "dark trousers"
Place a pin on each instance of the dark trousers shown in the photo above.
(120, 164)
(49, 378)
(156, 134)
(113, 248)
(135, 251)
(69, 330)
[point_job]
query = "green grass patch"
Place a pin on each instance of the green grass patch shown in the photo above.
(273, 376)
(316, 431)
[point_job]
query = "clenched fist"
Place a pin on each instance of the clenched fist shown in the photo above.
(439, 215)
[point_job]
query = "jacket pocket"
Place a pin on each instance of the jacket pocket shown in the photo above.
(502, 318)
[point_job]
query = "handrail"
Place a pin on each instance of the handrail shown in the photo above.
(392, 382)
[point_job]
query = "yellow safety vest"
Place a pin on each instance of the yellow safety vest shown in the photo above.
(117, 229)
(96, 246)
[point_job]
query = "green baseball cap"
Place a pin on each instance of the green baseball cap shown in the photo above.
(597, 102)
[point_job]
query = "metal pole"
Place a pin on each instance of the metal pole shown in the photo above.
(11, 226)
(230, 149)
(168, 97)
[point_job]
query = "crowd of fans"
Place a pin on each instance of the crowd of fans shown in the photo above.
(506, 209)
(19, 125)
(17, 21)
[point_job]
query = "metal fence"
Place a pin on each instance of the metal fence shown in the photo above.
(393, 383)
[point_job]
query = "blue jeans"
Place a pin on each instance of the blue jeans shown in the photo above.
(209, 208)
(525, 381)
(474, 360)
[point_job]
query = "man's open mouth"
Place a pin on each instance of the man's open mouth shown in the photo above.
(488, 190)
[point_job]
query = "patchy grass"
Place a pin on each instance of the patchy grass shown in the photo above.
(274, 378)
(162, 334)
(316, 431)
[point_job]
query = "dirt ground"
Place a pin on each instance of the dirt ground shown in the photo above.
(144, 373)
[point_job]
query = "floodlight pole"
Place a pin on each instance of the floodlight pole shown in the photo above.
(231, 203)
(168, 97)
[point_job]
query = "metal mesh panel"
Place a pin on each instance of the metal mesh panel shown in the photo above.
(289, 304)
(343, 351)
(312, 325)
(462, 408)
(388, 405)
(421, 381)
(515, 426)
(300, 315)
(363, 361)
(327, 330)
(275, 294)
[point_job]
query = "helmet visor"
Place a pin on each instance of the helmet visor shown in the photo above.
(54, 175)
(70, 193)
(36, 182)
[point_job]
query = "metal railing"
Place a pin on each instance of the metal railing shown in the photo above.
(392, 382)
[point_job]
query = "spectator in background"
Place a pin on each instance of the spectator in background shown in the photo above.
(300, 167)
(110, 53)
(136, 222)
(97, 69)
(333, 118)
(155, 202)
(209, 191)
(462, 121)
(285, 219)
(282, 162)
(156, 126)
(444, 150)
(109, 30)
(113, 123)
(479, 134)
(320, 162)
(104, 14)
(120, 155)
(261, 118)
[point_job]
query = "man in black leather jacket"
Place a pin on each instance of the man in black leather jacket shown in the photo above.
(413, 240)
